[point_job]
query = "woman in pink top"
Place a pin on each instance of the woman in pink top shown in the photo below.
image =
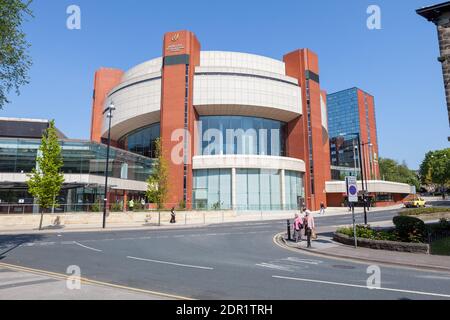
(298, 224)
(309, 226)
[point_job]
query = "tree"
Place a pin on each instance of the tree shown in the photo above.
(14, 59)
(46, 179)
(158, 181)
(435, 169)
(391, 170)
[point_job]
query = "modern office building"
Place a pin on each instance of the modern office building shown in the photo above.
(239, 131)
(439, 14)
(84, 169)
(351, 112)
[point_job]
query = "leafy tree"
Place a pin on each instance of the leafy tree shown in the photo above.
(14, 59)
(158, 181)
(435, 168)
(46, 180)
(391, 170)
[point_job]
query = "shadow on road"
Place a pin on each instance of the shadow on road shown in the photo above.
(9, 243)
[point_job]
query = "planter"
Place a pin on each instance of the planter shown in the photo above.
(383, 244)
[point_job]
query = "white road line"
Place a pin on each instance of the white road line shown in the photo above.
(86, 247)
(275, 266)
(307, 261)
(365, 287)
(171, 263)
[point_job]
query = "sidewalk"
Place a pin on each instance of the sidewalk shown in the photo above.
(17, 283)
(325, 246)
(137, 221)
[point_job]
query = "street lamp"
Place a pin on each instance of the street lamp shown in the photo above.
(108, 110)
(362, 167)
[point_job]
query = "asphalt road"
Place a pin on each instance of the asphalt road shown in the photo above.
(228, 261)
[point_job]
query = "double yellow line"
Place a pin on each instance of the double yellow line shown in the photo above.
(62, 276)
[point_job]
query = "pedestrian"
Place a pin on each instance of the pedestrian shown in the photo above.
(143, 203)
(309, 226)
(322, 208)
(298, 225)
(173, 215)
(131, 205)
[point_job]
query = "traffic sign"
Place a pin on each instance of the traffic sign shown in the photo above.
(352, 188)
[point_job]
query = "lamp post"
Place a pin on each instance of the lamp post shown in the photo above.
(362, 167)
(108, 110)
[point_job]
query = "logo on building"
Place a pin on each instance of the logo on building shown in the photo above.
(175, 37)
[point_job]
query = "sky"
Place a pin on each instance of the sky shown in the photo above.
(397, 63)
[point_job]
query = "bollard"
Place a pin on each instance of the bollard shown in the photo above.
(289, 230)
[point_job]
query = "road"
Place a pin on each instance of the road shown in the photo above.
(228, 261)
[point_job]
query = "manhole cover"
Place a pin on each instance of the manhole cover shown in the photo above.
(343, 267)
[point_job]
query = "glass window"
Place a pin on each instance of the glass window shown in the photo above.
(212, 189)
(242, 135)
(142, 141)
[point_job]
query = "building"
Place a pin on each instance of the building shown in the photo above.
(240, 131)
(84, 169)
(351, 112)
(439, 14)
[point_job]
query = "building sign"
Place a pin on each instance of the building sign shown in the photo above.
(175, 47)
(352, 188)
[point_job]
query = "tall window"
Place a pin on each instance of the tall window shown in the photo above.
(142, 141)
(242, 135)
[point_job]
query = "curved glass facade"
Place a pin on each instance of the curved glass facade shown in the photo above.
(142, 141)
(256, 189)
(227, 135)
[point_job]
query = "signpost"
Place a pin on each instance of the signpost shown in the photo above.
(352, 196)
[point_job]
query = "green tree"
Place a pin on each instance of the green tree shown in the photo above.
(14, 59)
(435, 168)
(391, 170)
(46, 179)
(158, 181)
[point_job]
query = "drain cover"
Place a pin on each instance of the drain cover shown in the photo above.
(338, 266)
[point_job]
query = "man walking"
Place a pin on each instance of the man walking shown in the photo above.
(172, 216)
(131, 205)
(309, 225)
(322, 208)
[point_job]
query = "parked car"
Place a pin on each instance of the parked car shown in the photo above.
(414, 202)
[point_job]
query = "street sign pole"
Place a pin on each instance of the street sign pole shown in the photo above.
(352, 196)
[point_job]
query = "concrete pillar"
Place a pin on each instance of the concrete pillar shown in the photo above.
(233, 189)
(283, 189)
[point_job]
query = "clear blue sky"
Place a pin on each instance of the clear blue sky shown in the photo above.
(396, 64)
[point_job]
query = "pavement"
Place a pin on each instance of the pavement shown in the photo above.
(221, 261)
(325, 246)
(25, 284)
(181, 222)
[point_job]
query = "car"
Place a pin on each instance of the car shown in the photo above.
(414, 202)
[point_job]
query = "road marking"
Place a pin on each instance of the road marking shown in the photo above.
(307, 261)
(364, 287)
(89, 281)
(86, 247)
(171, 263)
(275, 266)
(434, 277)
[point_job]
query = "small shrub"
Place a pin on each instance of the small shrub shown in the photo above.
(182, 205)
(116, 207)
(410, 229)
(419, 211)
(95, 207)
(216, 206)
